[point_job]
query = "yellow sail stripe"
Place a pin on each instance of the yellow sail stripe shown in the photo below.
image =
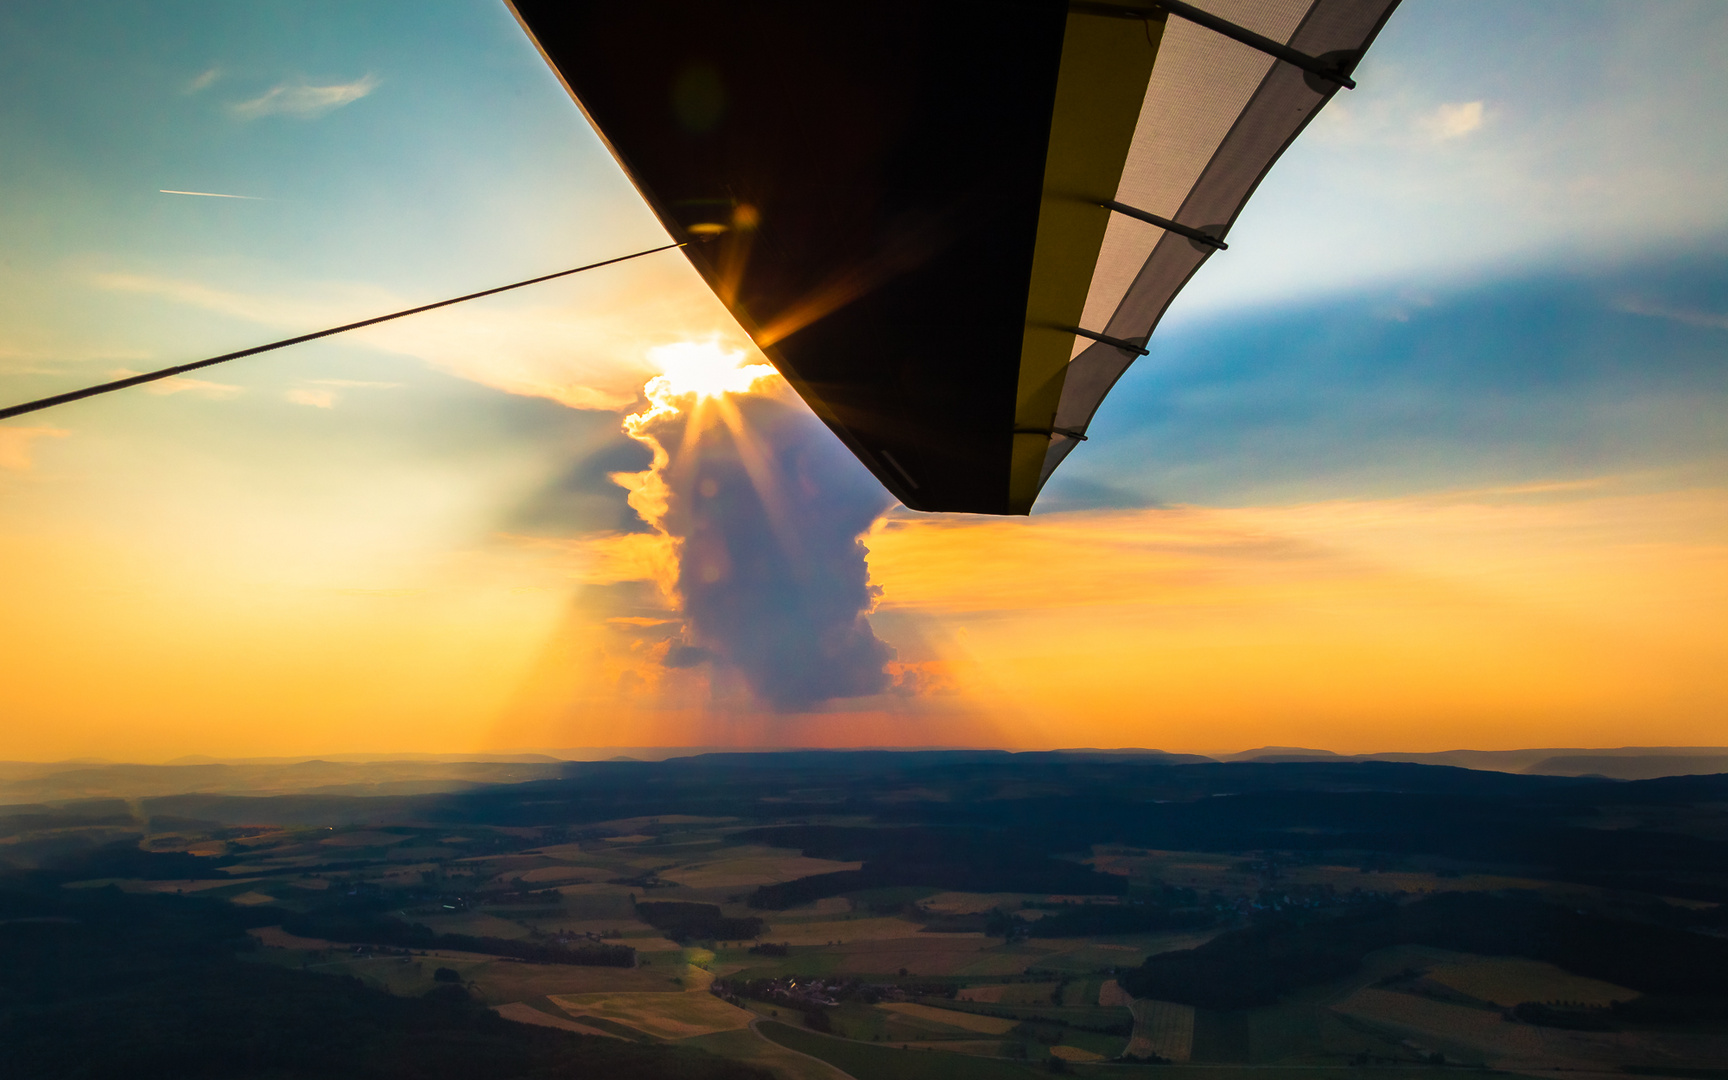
(1106, 64)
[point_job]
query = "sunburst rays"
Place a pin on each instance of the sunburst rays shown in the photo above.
(697, 382)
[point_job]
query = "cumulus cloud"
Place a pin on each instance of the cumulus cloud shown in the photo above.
(303, 100)
(765, 511)
(680, 655)
(757, 558)
(16, 442)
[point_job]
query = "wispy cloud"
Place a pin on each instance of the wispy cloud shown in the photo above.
(303, 100)
(209, 194)
(1452, 121)
(1509, 617)
(321, 393)
(201, 387)
(1710, 320)
(179, 384)
(585, 348)
(317, 399)
(15, 445)
(1403, 120)
(272, 310)
(1580, 149)
(32, 362)
(203, 80)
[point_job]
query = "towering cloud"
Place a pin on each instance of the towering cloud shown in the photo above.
(765, 510)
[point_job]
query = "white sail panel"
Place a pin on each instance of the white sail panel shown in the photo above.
(1217, 114)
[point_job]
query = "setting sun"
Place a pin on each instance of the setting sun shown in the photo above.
(705, 369)
(761, 541)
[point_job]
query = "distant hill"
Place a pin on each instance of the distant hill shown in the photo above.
(1631, 766)
(1621, 763)
(72, 780)
(430, 774)
(1275, 753)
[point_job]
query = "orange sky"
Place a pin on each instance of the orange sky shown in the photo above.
(1571, 614)
(1579, 615)
(1433, 459)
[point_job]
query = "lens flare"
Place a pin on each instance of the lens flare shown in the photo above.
(704, 369)
(697, 375)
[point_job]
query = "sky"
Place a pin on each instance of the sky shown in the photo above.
(1431, 458)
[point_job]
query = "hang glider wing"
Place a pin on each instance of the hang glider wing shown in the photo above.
(952, 225)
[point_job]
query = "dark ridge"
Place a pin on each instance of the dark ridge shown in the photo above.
(967, 861)
(684, 921)
(371, 928)
(1259, 965)
(1087, 920)
(1058, 804)
(130, 986)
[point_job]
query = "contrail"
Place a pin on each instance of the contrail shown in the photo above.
(213, 195)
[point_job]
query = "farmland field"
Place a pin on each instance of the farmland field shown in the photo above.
(1162, 1028)
(987, 1025)
(1463, 1033)
(903, 978)
(1011, 993)
(753, 1049)
(752, 865)
(664, 1016)
(524, 1013)
(845, 931)
(866, 1062)
(1509, 980)
(879, 936)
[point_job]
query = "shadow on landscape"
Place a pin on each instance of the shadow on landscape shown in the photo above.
(100, 977)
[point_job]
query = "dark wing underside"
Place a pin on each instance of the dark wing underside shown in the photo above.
(902, 202)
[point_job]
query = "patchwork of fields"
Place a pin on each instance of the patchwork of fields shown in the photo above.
(682, 930)
(961, 996)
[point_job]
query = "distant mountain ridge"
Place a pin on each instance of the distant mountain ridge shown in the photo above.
(1632, 766)
(423, 774)
(1618, 763)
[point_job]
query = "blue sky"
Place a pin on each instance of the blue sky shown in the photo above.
(441, 152)
(1501, 263)
(408, 151)
(1547, 375)
(1503, 259)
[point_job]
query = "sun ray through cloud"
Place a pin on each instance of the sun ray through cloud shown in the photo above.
(756, 522)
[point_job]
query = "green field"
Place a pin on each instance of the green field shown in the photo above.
(866, 1062)
(1042, 993)
(752, 1049)
(1399, 1008)
(664, 1016)
(1509, 980)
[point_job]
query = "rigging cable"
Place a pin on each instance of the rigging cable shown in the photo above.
(180, 369)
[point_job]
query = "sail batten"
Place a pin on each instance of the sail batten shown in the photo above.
(908, 204)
